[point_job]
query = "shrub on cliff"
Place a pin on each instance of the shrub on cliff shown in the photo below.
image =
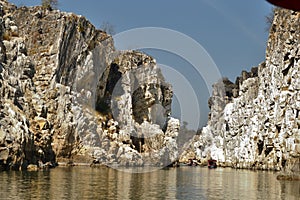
(269, 19)
(108, 28)
(49, 4)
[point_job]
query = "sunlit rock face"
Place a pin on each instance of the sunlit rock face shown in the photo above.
(67, 95)
(260, 126)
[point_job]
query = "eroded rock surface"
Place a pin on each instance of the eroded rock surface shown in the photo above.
(259, 127)
(66, 95)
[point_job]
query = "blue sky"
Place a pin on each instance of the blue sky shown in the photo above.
(233, 32)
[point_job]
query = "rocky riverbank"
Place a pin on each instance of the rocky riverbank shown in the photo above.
(257, 125)
(67, 95)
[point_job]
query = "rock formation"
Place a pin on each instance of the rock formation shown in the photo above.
(66, 95)
(257, 125)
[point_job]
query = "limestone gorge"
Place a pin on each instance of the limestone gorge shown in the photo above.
(257, 125)
(67, 95)
(60, 79)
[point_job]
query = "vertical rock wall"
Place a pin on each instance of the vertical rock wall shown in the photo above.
(260, 127)
(67, 95)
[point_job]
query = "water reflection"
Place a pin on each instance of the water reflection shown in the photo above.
(180, 183)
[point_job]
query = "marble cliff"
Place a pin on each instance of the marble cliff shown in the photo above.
(66, 95)
(257, 125)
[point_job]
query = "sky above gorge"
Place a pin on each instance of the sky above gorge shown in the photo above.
(232, 35)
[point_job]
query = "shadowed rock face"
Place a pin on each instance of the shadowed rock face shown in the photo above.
(133, 80)
(67, 95)
(260, 127)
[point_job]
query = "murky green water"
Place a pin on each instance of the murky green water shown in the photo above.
(174, 183)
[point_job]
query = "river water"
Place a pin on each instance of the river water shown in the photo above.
(174, 183)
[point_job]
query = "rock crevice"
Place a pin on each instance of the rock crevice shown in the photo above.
(67, 95)
(259, 127)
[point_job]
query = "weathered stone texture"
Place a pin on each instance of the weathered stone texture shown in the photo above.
(67, 95)
(260, 127)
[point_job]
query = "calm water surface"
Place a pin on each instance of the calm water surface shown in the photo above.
(176, 183)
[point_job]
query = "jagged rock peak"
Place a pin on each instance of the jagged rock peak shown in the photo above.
(67, 95)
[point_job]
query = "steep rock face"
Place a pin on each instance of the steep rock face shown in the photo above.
(260, 127)
(59, 80)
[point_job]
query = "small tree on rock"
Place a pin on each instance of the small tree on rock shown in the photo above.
(49, 3)
(269, 19)
(108, 28)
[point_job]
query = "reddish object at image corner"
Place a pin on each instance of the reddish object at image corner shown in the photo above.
(289, 4)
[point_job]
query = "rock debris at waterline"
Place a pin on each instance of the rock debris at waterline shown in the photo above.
(57, 80)
(257, 125)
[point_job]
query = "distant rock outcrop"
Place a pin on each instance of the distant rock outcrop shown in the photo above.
(257, 125)
(66, 95)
